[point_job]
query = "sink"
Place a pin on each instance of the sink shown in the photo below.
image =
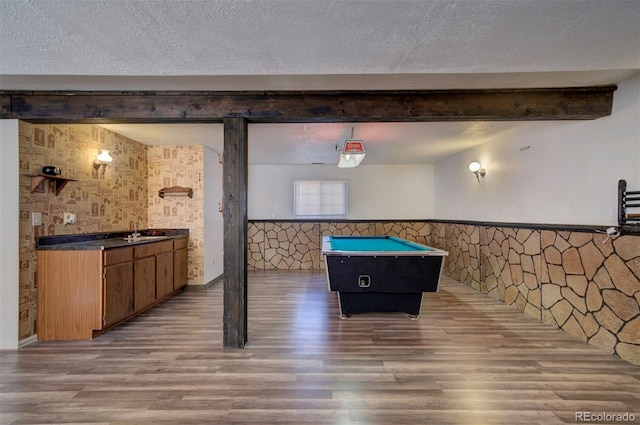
(144, 238)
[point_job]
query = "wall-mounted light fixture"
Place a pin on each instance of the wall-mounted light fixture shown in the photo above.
(352, 153)
(102, 160)
(476, 168)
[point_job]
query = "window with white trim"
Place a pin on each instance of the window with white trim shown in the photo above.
(320, 198)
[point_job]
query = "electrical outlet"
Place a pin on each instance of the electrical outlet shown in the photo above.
(69, 218)
(36, 218)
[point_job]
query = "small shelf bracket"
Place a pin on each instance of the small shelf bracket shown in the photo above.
(57, 183)
(175, 191)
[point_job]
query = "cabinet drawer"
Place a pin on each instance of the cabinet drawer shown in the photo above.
(149, 249)
(180, 243)
(119, 255)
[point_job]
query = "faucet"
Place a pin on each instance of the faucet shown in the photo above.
(135, 233)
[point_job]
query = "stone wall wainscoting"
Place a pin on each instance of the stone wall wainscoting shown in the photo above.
(591, 289)
(581, 282)
(293, 245)
(578, 281)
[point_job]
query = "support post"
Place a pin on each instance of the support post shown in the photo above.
(235, 165)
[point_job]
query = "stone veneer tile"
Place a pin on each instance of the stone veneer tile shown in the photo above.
(578, 239)
(578, 284)
(571, 261)
(293, 245)
(602, 279)
(625, 280)
(627, 247)
(593, 297)
(557, 275)
(607, 319)
(561, 241)
(605, 340)
(527, 262)
(630, 332)
(588, 323)
(552, 255)
(622, 306)
(601, 288)
(550, 295)
(576, 301)
(592, 259)
(634, 266)
(630, 352)
(561, 311)
(547, 238)
(532, 244)
(572, 327)
(602, 242)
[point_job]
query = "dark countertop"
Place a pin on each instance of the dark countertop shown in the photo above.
(108, 240)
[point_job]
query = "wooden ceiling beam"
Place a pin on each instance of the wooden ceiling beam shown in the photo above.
(572, 103)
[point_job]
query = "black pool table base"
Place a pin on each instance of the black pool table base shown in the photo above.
(387, 302)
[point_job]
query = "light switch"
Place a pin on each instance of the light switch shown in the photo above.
(36, 218)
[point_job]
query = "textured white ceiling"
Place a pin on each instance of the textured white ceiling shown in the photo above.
(298, 37)
(325, 44)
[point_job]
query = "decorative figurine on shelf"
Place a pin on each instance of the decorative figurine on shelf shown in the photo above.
(50, 170)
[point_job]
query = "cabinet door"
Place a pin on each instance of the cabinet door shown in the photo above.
(144, 282)
(180, 268)
(164, 274)
(118, 292)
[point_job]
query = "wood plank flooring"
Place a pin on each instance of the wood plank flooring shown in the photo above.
(468, 360)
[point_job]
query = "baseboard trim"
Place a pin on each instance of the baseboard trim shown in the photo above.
(27, 341)
(207, 285)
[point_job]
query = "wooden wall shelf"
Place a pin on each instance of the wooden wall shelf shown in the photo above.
(57, 183)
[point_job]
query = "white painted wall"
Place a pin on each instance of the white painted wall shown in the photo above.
(561, 172)
(9, 234)
(375, 191)
(213, 220)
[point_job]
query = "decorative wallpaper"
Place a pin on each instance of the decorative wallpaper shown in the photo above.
(124, 194)
(112, 200)
(179, 166)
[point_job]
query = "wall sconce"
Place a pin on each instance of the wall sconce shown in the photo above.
(102, 160)
(476, 168)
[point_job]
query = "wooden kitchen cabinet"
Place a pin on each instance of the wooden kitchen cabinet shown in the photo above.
(118, 285)
(162, 253)
(70, 294)
(82, 293)
(180, 263)
(118, 292)
(144, 282)
(164, 273)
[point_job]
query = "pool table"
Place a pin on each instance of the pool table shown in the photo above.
(380, 273)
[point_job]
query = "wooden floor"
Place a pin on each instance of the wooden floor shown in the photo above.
(468, 360)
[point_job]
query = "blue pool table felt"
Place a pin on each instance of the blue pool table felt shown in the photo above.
(373, 243)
